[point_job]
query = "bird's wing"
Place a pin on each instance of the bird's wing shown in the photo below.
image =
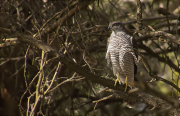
(134, 43)
(108, 57)
(126, 62)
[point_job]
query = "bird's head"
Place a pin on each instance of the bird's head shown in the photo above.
(116, 26)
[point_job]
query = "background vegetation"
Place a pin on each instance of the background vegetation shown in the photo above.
(52, 57)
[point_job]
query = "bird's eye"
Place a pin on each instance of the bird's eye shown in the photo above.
(116, 24)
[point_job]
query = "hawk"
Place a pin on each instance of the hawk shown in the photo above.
(120, 54)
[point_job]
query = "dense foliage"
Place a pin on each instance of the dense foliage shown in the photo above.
(52, 57)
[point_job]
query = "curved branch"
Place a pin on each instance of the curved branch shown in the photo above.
(169, 36)
(162, 59)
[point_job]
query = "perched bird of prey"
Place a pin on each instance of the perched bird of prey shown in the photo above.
(120, 54)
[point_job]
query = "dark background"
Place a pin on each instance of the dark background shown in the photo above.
(33, 82)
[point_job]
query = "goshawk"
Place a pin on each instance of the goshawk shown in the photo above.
(120, 54)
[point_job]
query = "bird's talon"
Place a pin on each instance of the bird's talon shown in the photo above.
(126, 85)
(117, 80)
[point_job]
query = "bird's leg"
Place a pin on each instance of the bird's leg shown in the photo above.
(117, 80)
(126, 84)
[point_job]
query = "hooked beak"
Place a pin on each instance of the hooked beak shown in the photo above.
(109, 28)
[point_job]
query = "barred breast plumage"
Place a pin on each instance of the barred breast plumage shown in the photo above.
(120, 55)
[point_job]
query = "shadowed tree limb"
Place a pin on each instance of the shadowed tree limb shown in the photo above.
(162, 59)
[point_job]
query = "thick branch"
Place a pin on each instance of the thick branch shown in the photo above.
(162, 59)
(169, 37)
